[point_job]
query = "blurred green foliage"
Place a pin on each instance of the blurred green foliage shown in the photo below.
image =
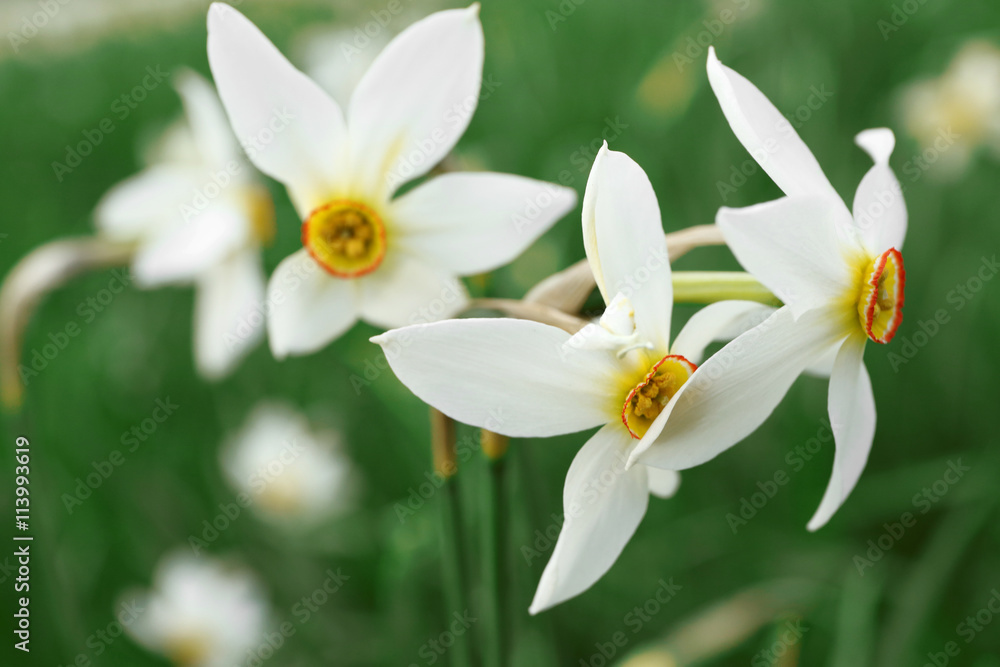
(561, 83)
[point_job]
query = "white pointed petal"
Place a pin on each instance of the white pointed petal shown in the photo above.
(293, 131)
(793, 246)
(603, 504)
(405, 290)
(736, 389)
(415, 101)
(145, 203)
(190, 248)
(663, 483)
(471, 223)
(720, 321)
(823, 366)
(879, 208)
(852, 418)
(767, 135)
(514, 377)
(229, 314)
(309, 307)
(623, 236)
(213, 135)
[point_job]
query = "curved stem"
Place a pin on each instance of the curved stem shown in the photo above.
(44, 269)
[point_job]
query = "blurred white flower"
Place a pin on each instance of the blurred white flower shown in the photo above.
(840, 274)
(287, 469)
(525, 379)
(389, 261)
(200, 612)
(200, 216)
(959, 111)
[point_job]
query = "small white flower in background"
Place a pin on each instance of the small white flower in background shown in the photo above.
(389, 261)
(200, 612)
(953, 115)
(288, 470)
(198, 215)
(840, 275)
(525, 379)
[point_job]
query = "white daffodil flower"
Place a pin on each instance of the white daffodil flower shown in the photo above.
(956, 113)
(525, 379)
(287, 470)
(840, 275)
(389, 261)
(198, 215)
(200, 612)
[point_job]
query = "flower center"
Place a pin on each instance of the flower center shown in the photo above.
(347, 238)
(188, 648)
(260, 212)
(646, 401)
(880, 302)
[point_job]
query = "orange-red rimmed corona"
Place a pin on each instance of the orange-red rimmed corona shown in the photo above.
(880, 304)
(346, 237)
(648, 398)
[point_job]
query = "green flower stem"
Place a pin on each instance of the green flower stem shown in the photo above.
(712, 286)
(454, 573)
(494, 549)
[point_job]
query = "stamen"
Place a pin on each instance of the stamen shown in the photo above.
(347, 238)
(880, 303)
(646, 401)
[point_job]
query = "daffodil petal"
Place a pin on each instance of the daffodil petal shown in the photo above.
(793, 246)
(514, 377)
(603, 504)
(879, 208)
(735, 390)
(189, 248)
(767, 134)
(852, 418)
(309, 307)
(415, 101)
(229, 314)
(405, 290)
(475, 222)
(663, 483)
(208, 122)
(292, 130)
(623, 237)
(146, 203)
(720, 321)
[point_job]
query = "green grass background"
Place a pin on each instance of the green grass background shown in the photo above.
(558, 87)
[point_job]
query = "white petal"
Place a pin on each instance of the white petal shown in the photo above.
(793, 246)
(229, 314)
(767, 135)
(186, 250)
(292, 130)
(309, 307)
(879, 207)
(852, 418)
(663, 483)
(720, 321)
(471, 223)
(146, 203)
(416, 100)
(514, 377)
(603, 504)
(623, 236)
(735, 390)
(405, 290)
(207, 119)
